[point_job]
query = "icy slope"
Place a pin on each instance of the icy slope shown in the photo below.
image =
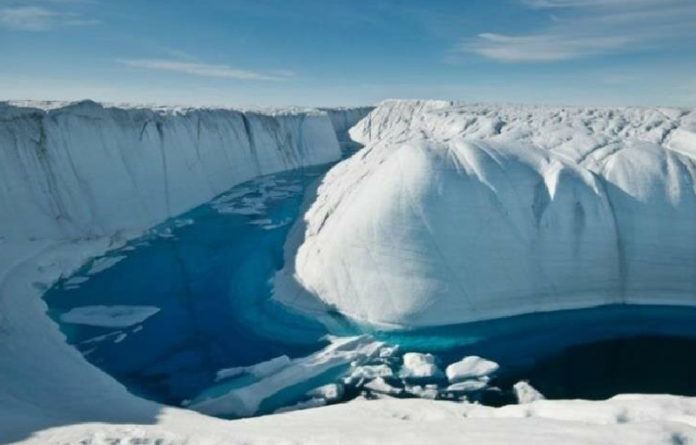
(454, 213)
(84, 169)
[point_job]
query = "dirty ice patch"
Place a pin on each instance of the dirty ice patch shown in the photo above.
(109, 316)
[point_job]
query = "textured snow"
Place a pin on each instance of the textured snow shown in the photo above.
(635, 420)
(109, 316)
(470, 367)
(455, 212)
(84, 169)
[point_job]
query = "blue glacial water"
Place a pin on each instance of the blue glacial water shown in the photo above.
(208, 272)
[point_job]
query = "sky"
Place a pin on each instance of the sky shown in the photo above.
(349, 52)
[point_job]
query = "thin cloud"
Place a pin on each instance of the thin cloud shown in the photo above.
(544, 47)
(205, 70)
(584, 28)
(36, 18)
(589, 3)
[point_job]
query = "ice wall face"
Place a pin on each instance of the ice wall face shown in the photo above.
(455, 213)
(343, 119)
(88, 170)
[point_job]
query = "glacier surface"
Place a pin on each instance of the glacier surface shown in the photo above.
(72, 170)
(50, 394)
(455, 213)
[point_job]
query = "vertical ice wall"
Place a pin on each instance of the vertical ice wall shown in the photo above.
(84, 169)
(343, 119)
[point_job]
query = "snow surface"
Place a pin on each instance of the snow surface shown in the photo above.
(454, 213)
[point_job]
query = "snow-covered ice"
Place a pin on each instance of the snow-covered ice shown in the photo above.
(61, 399)
(380, 386)
(526, 393)
(470, 367)
(481, 211)
(246, 400)
(467, 386)
(330, 393)
(419, 366)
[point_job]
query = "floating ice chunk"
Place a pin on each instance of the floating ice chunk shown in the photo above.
(109, 316)
(183, 222)
(100, 338)
(258, 370)
(526, 393)
(470, 367)
(101, 264)
(246, 400)
(74, 282)
(380, 386)
(388, 351)
(122, 336)
(332, 392)
(369, 372)
(465, 386)
(419, 366)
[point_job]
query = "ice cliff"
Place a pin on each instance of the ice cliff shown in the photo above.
(456, 212)
(85, 169)
(343, 119)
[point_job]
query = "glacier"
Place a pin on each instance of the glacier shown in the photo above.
(70, 170)
(50, 393)
(81, 179)
(455, 213)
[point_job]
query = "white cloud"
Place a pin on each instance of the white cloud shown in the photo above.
(544, 47)
(205, 70)
(582, 28)
(36, 18)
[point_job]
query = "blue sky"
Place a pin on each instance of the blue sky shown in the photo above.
(349, 52)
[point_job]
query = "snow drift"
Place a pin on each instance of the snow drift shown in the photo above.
(454, 213)
(84, 169)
